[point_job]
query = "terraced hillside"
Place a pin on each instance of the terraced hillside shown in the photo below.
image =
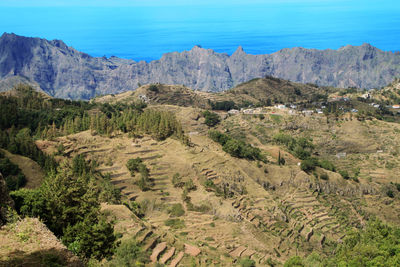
(238, 208)
(258, 189)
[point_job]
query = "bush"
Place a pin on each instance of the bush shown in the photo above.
(211, 118)
(236, 148)
(327, 165)
(91, 239)
(137, 208)
(344, 174)
(389, 193)
(177, 210)
(190, 186)
(177, 180)
(129, 254)
(324, 176)
(15, 182)
(397, 186)
(223, 105)
(175, 223)
(247, 262)
(295, 261)
(133, 165)
(153, 88)
(309, 164)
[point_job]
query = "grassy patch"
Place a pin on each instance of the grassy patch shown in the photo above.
(175, 223)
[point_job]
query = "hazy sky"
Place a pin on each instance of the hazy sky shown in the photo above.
(24, 3)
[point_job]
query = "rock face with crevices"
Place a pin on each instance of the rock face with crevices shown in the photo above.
(62, 71)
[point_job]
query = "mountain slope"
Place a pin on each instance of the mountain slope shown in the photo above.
(65, 72)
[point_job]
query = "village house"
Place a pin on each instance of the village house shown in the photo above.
(307, 112)
(248, 111)
(233, 112)
(144, 98)
(280, 106)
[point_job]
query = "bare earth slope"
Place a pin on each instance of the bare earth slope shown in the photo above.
(261, 210)
(62, 71)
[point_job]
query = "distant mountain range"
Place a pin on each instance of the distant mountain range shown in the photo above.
(64, 72)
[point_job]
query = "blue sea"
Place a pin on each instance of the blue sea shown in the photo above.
(145, 33)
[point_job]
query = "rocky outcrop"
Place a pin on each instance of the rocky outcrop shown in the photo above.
(62, 71)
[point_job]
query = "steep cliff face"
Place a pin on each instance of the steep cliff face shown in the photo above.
(65, 72)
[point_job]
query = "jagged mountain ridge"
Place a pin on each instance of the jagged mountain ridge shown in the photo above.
(65, 72)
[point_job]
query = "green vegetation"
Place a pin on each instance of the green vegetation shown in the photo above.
(21, 142)
(49, 118)
(137, 165)
(153, 88)
(176, 210)
(344, 174)
(247, 262)
(177, 180)
(133, 165)
(236, 148)
(223, 105)
(68, 202)
(129, 254)
(376, 245)
(300, 147)
(175, 223)
(12, 174)
(324, 176)
(309, 164)
(211, 118)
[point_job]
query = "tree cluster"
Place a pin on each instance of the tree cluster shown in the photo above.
(236, 148)
(376, 245)
(211, 118)
(68, 202)
(223, 105)
(136, 165)
(12, 174)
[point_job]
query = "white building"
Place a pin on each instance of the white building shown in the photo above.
(233, 111)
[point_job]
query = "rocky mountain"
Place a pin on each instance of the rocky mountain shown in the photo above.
(65, 72)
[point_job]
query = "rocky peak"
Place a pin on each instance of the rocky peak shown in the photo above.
(62, 71)
(239, 52)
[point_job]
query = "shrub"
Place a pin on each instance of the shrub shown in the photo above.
(133, 165)
(153, 88)
(223, 105)
(91, 239)
(185, 195)
(211, 118)
(15, 182)
(301, 153)
(324, 176)
(327, 165)
(129, 254)
(142, 183)
(190, 186)
(236, 148)
(344, 174)
(397, 186)
(175, 223)
(177, 210)
(247, 262)
(309, 164)
(137, 208)
(389, 193)
(177, 180)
